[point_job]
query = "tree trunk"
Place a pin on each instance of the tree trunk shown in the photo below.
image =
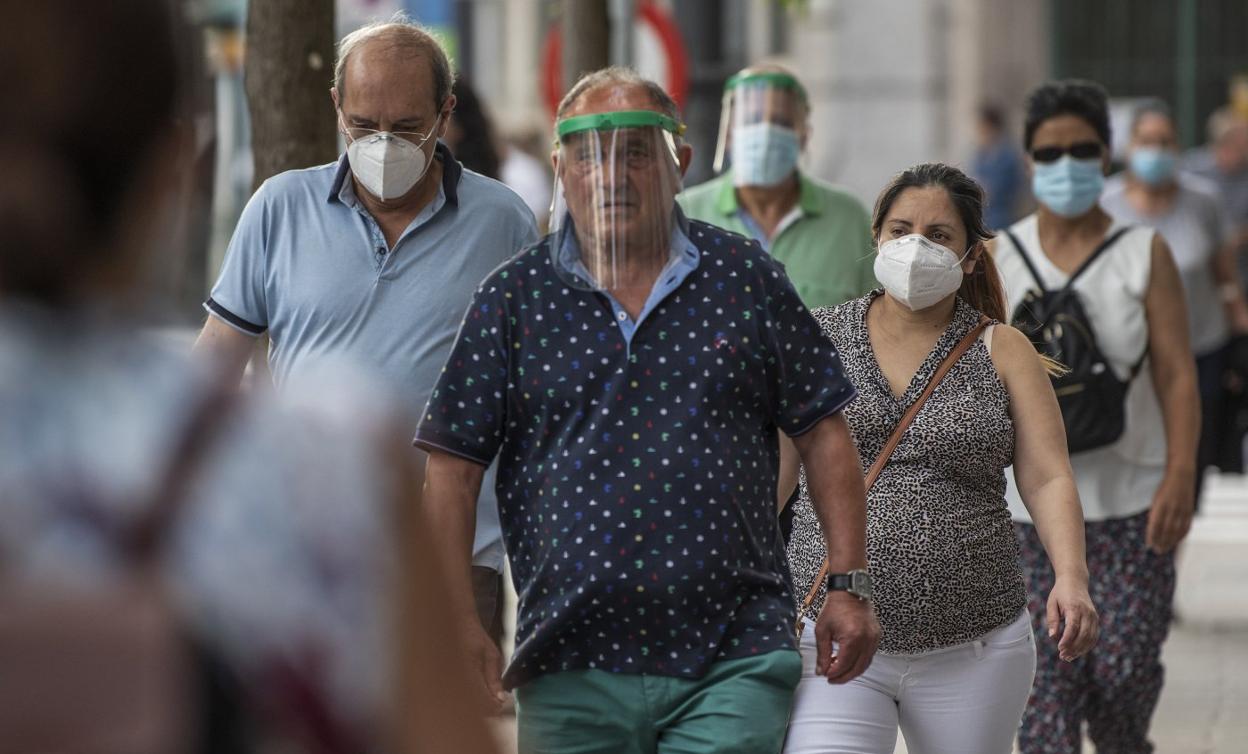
(586, 38)
(288, 73)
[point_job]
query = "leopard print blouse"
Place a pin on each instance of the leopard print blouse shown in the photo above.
(940, 545)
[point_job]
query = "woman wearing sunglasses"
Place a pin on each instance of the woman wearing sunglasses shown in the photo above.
(1136, 488)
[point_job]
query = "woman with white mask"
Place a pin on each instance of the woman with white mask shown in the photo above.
(1120, 293)
(948, 398)
(1186, 211)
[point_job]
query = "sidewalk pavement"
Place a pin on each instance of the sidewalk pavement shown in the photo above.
(1204, 706)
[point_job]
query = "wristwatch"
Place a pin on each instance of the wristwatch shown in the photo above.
(856, 582)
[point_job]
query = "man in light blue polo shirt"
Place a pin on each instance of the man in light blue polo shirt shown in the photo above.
(374, 258)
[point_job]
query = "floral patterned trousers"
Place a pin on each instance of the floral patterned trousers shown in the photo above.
(1115, 687)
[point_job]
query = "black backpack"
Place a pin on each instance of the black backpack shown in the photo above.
(1091, 396)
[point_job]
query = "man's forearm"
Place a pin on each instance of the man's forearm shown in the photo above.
(834, 477)
(452, 485)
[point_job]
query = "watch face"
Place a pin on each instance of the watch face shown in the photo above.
(860, 584)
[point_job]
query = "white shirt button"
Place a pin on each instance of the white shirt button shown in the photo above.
(622, 316)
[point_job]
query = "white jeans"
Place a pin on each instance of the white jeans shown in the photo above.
(966, 699)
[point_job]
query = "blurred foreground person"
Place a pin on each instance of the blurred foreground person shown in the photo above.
(819, 232)
(1106, 301)
(179, 572)
(373, 258)
(630, 372)
(1186, 212)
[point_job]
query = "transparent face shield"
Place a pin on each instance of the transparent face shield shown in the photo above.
(613, 209)
(761, 126)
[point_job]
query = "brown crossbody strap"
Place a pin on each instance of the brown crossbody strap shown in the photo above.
(895, 438)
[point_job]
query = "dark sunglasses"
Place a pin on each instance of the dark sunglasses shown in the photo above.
(1084, 150)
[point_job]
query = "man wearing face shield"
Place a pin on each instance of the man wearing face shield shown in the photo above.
(820, 233)
(630, 372)
(372, 259)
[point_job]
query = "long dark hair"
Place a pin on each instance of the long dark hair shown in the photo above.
(477, 148)
(1086, 100)
(981, 289)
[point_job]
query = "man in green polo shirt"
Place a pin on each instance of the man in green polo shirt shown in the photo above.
(819, 232)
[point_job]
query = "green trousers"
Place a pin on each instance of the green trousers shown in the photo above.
(740, 707)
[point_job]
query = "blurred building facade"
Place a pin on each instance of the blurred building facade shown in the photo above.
(892, 82)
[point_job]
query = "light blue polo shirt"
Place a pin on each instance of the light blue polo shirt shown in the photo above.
(310, 266)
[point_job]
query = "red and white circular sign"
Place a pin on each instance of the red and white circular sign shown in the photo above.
(658, 52)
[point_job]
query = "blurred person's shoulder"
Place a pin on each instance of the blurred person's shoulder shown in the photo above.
(708, 202)
(1204, 189)
(1200, 161)
(704, 195)
(1115, 187)
(836, 201)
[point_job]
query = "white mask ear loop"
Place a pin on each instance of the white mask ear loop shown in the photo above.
(966, 255)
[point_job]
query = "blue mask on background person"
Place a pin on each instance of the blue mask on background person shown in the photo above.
(1068, 187)
(1153, 166)
(763, 154)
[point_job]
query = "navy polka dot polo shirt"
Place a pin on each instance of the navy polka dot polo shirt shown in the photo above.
(636, 484)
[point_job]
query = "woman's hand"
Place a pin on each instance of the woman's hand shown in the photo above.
(1069, 603)
(1174, 379)
(1170, 517)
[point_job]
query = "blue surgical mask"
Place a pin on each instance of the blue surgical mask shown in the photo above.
(763, 154)
(1153, 166)
(1068, 187)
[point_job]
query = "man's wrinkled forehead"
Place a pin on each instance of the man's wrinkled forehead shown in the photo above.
(759, 102)
(613, 97)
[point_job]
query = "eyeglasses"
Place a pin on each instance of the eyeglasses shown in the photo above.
(355, 133)
(1083, 150)
(415, 137)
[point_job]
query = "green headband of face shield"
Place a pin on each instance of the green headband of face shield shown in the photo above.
(618, 119)
(767, 78)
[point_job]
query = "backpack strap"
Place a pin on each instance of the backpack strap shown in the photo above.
(1096, 253)
(1022, 253)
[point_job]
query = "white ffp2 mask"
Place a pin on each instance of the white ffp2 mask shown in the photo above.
(386, 165)
(918, 272)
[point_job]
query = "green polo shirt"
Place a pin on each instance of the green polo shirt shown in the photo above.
(825, 244)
